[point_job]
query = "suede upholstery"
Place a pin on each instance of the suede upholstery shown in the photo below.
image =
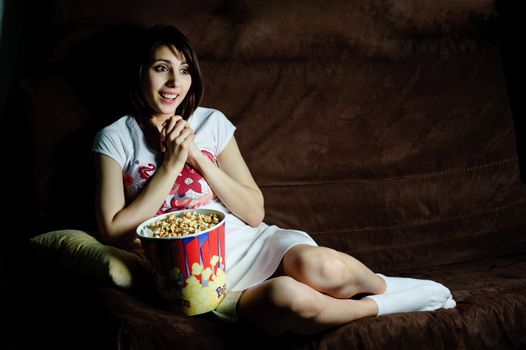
(382, 128)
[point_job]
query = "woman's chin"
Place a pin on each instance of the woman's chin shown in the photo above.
(167, 112)
(169, 109)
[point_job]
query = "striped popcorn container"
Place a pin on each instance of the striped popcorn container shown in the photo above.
(189, 269)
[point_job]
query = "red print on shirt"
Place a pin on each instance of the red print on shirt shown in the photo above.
(128, 180)
(188, 180)
(189, 177)
(146, 170)
(210, 156)
(190, 189)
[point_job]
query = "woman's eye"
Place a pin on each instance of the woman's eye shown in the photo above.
(185, 71)
(161, 68)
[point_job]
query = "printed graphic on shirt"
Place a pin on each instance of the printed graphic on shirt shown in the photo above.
(189, 191)
(136, 180)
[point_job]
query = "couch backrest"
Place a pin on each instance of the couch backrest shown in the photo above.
(382, 128)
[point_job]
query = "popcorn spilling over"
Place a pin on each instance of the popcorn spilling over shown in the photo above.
(182, 225)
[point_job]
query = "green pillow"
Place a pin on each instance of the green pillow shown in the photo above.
(86, 258)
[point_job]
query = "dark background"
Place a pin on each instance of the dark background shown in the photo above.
(512, 56)
(21, 54)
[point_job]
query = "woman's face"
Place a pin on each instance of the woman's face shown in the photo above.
(167, 81)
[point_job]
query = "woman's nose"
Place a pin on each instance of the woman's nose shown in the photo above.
(172, 81)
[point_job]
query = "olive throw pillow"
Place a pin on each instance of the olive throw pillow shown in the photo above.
(84, 257)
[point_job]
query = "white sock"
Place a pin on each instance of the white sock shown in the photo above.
(450, 303)
(426, 297)
(397, 284)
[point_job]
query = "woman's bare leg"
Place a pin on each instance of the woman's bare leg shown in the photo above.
(342, 276)
(313, 289)
(283, 304)
(330, 272)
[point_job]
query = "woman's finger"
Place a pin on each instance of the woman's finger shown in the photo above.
(183, 136)
(180, 126)
(178, 129)
(187, 141)
(170, 124)
(162, 140)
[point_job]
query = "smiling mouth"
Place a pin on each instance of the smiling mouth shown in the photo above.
(170, 97)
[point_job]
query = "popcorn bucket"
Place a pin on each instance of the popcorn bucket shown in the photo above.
(190, 269)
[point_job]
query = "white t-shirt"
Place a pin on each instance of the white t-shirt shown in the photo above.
(124, 142)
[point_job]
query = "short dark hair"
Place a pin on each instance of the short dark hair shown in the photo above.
(151, 39)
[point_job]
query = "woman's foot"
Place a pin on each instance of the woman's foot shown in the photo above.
(398, 284)
(425, 297)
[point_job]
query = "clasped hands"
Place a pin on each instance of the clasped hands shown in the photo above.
(177, 142)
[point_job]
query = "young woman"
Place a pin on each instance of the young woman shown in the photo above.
(172, 154)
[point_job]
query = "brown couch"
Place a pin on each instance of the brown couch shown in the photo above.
(382, 128)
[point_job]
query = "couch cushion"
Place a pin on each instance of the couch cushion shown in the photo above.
(85, 259)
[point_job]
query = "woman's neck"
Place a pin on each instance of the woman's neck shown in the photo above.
(158, 121)
(151, 128)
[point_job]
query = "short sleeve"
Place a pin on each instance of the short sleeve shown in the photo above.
(223, 131)
(107, 143)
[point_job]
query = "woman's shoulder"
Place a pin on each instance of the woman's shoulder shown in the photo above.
(206, 112)
(115, 140)
(119, 128)
(208, 116)
(123, 122)
(118, 132)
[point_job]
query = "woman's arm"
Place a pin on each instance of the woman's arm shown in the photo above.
(116, 221)
(232, 182)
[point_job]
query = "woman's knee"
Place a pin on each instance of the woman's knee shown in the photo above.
(318, 265)
(293, 297)
(278, 305)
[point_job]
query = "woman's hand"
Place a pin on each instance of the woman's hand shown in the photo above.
(194, 156)
(176, 139)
